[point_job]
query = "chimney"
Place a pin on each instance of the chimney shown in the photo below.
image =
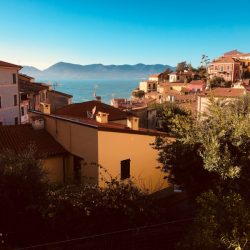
(37, 123)
(102, 117)
(45, 108)
(133, 122)
(98, 98)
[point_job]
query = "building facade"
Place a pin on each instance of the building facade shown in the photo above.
(105, 141)
(9, 94)
(225, 67)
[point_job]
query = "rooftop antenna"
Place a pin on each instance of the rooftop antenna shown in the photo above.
(54, 85)
(94, 91)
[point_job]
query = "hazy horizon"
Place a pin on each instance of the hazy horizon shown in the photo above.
(40, 33)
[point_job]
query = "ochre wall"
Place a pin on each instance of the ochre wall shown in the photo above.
(80, 141)
(54, 168)
(108, 149)
(115, 147)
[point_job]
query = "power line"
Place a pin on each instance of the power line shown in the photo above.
(106, 234)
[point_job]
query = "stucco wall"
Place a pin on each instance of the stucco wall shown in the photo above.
(8, 111)
(57, 101)
(107, 149)
(81, 141)
(115, 147)
(143, 86)
(54, 168)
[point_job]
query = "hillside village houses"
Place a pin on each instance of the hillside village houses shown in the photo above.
(87, 138)
(97, 133)
(185, 88)
(74, 140)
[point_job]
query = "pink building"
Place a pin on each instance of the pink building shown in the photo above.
(226, 67)
(196, 86)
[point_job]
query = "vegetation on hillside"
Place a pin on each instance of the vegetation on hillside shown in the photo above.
(210, 159)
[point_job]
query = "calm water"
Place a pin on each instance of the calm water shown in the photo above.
(82, 90)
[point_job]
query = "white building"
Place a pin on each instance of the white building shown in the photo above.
(9, 94)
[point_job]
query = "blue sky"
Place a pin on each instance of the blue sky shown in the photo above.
(41, 33)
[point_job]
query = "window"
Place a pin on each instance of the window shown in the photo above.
(125, 169)
(22, 111)
(221, 68)
(15, 100)
(14, 78)
(228, 67)
(16, 120)
(216, 67)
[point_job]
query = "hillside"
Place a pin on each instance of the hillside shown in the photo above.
(63, 70)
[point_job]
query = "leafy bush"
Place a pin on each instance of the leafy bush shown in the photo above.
(92, 209)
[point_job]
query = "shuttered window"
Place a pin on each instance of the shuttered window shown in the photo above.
(15, 100)
(14, 78)
(125, 169)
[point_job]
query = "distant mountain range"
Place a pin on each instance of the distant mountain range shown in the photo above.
(69, 71)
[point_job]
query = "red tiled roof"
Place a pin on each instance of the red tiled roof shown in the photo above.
(19, 137)
(25, 76)
(31, 87)
(155, 75)
(197, 82)
(110, 126)
(79, 110)
(233, 53)
(224, 92)
(185, 89)
(61, 93)
(189, 97)
(246, 54)
(177, 84)
(9, 65)
(224, 60)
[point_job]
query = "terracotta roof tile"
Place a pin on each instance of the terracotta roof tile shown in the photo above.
(79, 110)
(224, 92)
(61, 93)
(197, 82)
(233, 53)
(110, 126)
(19, 137)
(9, 65)
(224, 60)
(31, 87)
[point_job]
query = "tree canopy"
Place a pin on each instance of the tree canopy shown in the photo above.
(210, 159)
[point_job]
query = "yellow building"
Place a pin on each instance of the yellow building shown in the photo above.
(148, 86)
(97, 133)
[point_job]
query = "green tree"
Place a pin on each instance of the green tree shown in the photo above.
(23, 191)
(222, 222)
(165, 113)
(75, 210)
(212, 153)
(182, 66)
(138, 93)
(165, 74)
(218, 148)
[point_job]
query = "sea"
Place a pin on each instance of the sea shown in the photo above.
(83, 90)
